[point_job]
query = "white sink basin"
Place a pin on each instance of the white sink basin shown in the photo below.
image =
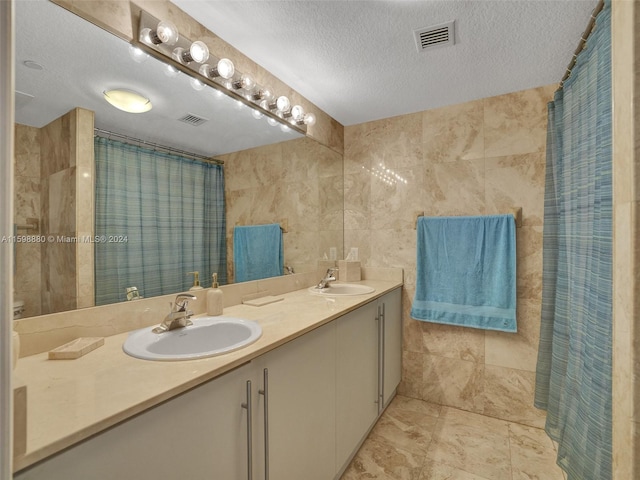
(208, 336)
(342, 289)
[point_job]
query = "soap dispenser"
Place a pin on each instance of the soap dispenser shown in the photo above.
(196, 281)
(215, 303)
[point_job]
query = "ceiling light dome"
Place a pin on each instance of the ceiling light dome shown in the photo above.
(127, 100)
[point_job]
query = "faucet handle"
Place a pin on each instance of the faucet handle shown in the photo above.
(182, 299)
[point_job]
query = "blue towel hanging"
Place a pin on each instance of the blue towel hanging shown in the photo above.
(466, 272)
(258, 252)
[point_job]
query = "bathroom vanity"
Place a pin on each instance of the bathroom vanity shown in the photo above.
(295, 404)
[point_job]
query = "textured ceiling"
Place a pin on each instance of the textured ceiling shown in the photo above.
(357, 60)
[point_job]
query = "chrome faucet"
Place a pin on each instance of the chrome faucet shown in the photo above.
(328, 278)
(179, 315)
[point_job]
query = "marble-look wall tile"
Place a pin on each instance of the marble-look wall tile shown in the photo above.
(453, 342)
(27, 151)
(508, 395)
(453, 382)
(331, 203)
(477, 158)
(529, 262)
(62, 202)
(55, 146)
(516, 123)
(516, 181)
(454, 188)
(392, 248)
(27, 191)
(412, 382)
(517, 350)
(454, 133)
(394, 205)
(297, 184)
(626, 274)
(390, 143)
(357, 201)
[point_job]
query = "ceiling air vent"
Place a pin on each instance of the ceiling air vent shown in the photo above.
(435, 36)
(192, 119)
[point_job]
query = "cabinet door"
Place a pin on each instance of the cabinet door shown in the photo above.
(200, 434)
(357, 379)
(301, 408)
(392, 345)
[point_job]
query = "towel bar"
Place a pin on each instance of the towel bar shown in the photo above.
(32, 224)
(284, 225)
(515, 211)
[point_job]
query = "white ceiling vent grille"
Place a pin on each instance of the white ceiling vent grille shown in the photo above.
(436, 36)
(192, 119)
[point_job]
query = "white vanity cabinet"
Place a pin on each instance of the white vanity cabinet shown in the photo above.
(390, 325)
(300, 416)
(200, 434)
(369, 354)
(357, 378)
(299, 411)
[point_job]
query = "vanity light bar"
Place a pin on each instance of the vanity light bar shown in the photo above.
(162, 40)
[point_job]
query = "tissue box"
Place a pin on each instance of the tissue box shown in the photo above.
(349, 271)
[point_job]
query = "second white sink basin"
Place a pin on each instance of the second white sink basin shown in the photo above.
(342, 289)
(208, 336)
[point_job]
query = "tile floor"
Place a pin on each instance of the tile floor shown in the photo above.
(416, 440)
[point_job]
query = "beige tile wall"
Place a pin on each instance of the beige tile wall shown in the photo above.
(297, 184)
(626, 152)
(27, 205)
(480, 157)
(54, 183)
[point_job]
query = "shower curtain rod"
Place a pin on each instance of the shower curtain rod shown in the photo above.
(105, 133)
(583, 41)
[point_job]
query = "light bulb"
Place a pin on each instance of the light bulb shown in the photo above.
(272, 121)
(257, 114)
(297, 112)
(285, 128)
(246, 82)
(283, 104)
(199, 52)
(166, 32)
(264, 94)
(310, 119)
(226, 68)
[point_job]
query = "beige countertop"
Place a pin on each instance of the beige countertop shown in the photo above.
(70, 400)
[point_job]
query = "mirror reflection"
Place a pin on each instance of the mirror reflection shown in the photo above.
(270, 175)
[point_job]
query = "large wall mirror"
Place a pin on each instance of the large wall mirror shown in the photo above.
(63, 66)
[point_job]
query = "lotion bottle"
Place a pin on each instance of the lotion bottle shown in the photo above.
(196, 281)
(215, 303)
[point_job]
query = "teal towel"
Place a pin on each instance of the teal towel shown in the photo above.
(466, 272)
(257, 252)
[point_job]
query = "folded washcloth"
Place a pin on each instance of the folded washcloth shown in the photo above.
(466, 272)
(258, 252)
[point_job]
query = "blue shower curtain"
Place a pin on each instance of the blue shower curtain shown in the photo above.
(573, 376)
(161, 216)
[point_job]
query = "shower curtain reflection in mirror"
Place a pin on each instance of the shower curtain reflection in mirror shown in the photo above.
(158, 217)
